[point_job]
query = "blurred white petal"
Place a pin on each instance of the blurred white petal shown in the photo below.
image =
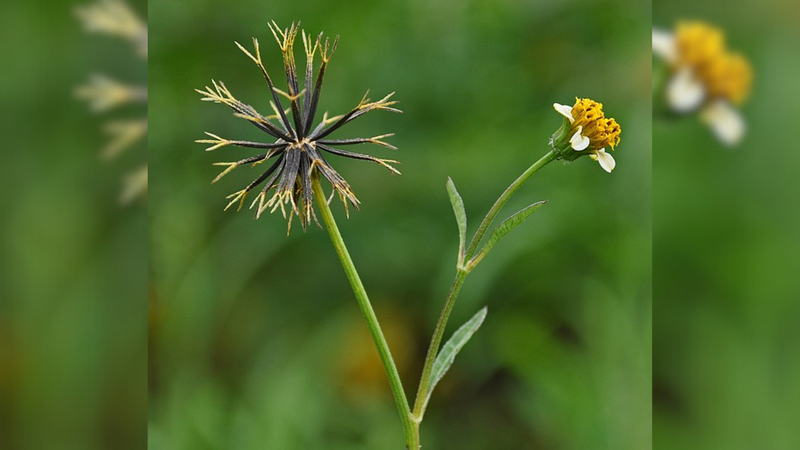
(685, 93)
(664, 46)
(726, 122)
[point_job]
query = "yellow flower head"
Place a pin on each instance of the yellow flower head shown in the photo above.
(600, 131)
(586, 128)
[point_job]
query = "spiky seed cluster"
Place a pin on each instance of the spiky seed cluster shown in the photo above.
(298, 148)
(702, 47)
(602, 132)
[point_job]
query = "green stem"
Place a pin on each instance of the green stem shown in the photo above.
(492, 214)
(436, 341)
(438, 333)
(410, 431)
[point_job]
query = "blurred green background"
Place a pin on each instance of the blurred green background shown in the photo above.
(256, 341)
(73, 308)
(726, 368)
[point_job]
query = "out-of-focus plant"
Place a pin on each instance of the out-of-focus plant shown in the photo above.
(103, 94)
(703, 75)
(293, 182)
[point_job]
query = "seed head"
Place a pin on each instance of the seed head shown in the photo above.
(297, 147)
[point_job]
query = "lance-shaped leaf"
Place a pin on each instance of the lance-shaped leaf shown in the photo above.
(451, 348)
(504, 228)
(461, 218)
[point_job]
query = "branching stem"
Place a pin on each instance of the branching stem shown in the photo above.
(462, 272)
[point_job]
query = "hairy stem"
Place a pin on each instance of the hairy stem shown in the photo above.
(410, 431)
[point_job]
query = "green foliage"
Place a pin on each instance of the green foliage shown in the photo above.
(506, 226)
(461, 219)
(447, 355)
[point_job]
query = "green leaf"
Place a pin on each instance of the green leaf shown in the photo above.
(451, 348)
(504, 228)
(461, 218)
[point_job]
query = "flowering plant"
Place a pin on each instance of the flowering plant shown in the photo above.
(294, 181)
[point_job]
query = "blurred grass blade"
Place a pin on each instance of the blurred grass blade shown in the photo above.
(461, 218)
(504, 228)
(451, 348)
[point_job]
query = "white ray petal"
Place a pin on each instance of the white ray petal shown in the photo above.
(605, 159)
(564, 110)
(578, 141)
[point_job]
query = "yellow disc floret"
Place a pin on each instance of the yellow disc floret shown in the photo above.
(602, 132)
(701, 47)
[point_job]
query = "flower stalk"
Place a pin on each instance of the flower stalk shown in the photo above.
(501, 201)
(471, 261)
(411, 431)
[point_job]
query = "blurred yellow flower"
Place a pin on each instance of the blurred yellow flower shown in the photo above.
(705, 76)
